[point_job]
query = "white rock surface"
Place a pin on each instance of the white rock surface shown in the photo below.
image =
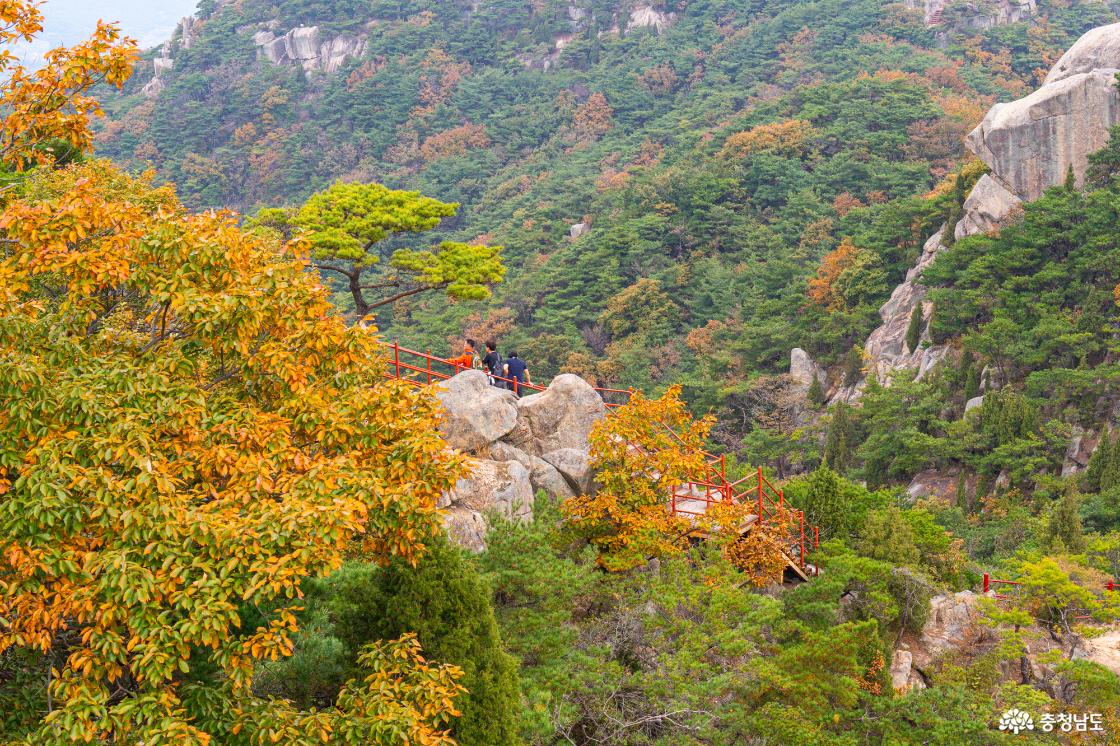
(305, 46)
(802, 370)
(1031, 143)
(574, 464)
(578, 230)
(476, 414)
(644, 16)
(1098, 49)
(559, 417)
(988, 204)
(974, 403)
(492, 486)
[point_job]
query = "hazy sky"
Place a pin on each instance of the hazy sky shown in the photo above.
(148, 21)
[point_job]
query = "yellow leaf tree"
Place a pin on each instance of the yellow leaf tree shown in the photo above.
(188, 430)
(643, 453)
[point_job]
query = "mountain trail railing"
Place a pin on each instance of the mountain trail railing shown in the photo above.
(990, 584)
(709, 489)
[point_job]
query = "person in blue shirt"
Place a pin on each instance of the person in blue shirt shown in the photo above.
(517, 372)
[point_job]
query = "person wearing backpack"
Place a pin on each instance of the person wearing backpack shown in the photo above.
(517, 373)
(493, 365)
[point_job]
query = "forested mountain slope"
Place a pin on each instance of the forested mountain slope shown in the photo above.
(684, 192)
(716, 151)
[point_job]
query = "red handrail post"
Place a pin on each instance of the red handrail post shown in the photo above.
(760, 495)
(987, 582)
(781, 499)
(816, 537)
(397, 358)
(1111, 586)
(428, 360)
(801, 518)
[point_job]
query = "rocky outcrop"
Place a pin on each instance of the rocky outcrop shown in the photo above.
(185, 34)
(802, 370)
(988, 204)
(161, 66)
(517, 447)
(644, 16)
(476, 414)
(305, 46)
(1030, 144)
(975, 16)
(1097, 50)
(953, 624)
(559, 417)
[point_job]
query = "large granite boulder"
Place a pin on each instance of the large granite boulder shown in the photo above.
(1098, 49)
(988, 205)
(302, 43)
(476, 414)
(1031, 143)
(559, 417)
(501, 487)
(542, 475)
(803, 369)
(575, 466)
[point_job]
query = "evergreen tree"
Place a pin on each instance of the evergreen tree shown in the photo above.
(970, 376)
(1099, 462)
(815, 394)
(853, 365)
(840, 439)
(1110, 473)
(1063, 531)
(887, 536)
(964, 500)
(826, 505)
(1007, 416)
(914, 331)
(446, 603)
(1105, 163)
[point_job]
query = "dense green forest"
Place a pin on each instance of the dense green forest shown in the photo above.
(219, 522)
(716, 162)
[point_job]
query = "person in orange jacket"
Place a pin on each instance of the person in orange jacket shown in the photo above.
(466, 360)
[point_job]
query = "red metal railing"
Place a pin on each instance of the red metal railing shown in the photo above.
(711, 488)
(424, 369)
(990, 583)
(768, 503)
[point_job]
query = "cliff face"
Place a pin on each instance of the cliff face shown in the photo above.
(974, 15)
(1030, 145)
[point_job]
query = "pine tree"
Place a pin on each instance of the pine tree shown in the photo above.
(826, 505)
(964, 500)
(841, 436)
(1099, 461)
(445, 601)
(853, 365)
(1071, 180)
(1063, 531)
(815, 394)
(914, 331)
(1110, 473)
(971, 376)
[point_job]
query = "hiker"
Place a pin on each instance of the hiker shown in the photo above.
(466, 360)
(517, 373)
(493, 364)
